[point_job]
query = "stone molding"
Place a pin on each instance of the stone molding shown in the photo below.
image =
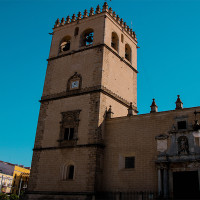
(87, 90)
(65, 147)
(161, 137)
(59, 193)
(92, 47)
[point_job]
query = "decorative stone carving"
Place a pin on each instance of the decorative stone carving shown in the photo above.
(98, 10)
(75, 77)
(67, 20)
(183, 146)
(63, 21)
(85, 14)
(79, 16)
(91, 12)
(161, 142)
(70, 119)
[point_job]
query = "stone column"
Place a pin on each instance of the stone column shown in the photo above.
(170, 183)
(165, 183)
(159, 182)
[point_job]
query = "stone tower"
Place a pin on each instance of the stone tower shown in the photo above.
(92, 64)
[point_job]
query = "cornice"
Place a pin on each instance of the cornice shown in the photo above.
(87, 90)
(98, 145)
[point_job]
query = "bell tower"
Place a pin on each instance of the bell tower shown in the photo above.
(92, 65)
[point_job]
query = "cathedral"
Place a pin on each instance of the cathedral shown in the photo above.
(91, 143)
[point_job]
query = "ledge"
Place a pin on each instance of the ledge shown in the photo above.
(65, 147)
(88, 90)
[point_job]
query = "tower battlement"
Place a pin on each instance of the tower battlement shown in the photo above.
(105, 9)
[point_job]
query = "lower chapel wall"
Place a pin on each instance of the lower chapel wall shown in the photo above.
(136, 137)
(51, 168)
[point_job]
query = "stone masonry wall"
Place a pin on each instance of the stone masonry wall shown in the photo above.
(135, 136)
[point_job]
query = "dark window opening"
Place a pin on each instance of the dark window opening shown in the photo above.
(89, 38)
(69, 134)
(76, 31)
(66, 46)
(70, 172)
(182, 125)
(129, 162)
(122, 38)
(113, 45)
(127, 56)
(115, 41)
(128, 52)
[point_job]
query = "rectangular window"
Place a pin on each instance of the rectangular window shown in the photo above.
(181, 125)
(69, 134)
(129, 162)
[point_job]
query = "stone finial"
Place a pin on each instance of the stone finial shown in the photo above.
(154, 107)
(105, 7)
(110, 11)
(79, 15)
(125, 26)
(98, 10)
(121, 22)
(131, 31)
(62, 21)
(179, 103)
(85, 14)
(57, 23)
(109, 113)
(67, 20)
(130, 110)
(91, 12)
(134, 34)
(114, 15)
(118, 19)
(73, 18)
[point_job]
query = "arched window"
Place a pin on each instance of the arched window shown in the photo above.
(87, 37)
(70, 172)
(115, 41)
(128, 52)
(67, 171)
(65, 44)
(76, 31)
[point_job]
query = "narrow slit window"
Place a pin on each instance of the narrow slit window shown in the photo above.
(122, 38)
(76, 31)
(128, 52)
(70, 172)
(114, 41)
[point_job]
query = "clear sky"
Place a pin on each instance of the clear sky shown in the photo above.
(168, 33)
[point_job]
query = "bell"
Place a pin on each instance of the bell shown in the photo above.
(89, 39)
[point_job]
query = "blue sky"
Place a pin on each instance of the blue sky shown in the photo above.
(168, 33)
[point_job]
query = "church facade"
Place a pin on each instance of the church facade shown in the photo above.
(90, 139)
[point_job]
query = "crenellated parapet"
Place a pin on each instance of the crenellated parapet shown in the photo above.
(87, 14)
